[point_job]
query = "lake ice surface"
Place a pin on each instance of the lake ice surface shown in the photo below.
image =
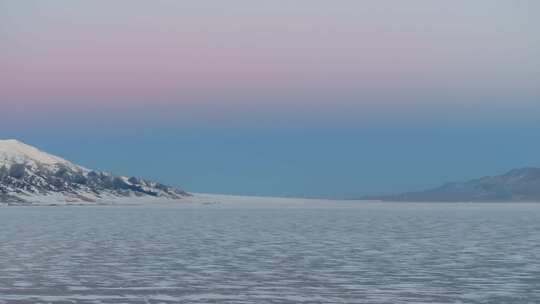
(325, 252)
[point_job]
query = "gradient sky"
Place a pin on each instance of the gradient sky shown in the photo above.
(304, 98)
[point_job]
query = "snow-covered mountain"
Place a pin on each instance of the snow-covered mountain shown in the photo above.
(29, 175)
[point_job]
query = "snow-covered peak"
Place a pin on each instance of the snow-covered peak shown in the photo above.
(33, 173)
(15, 152)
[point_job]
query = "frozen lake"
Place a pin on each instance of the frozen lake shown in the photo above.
(325, 252)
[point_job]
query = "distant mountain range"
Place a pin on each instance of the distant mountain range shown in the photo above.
(521, 185)
(29, 175)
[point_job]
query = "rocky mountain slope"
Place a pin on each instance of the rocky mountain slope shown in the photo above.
(29, 175)
(516, 185)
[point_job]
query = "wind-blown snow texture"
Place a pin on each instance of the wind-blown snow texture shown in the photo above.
(29, 175)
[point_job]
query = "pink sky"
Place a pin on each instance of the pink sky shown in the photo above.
(103, 55)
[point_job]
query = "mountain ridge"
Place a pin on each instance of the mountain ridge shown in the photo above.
(29, 175)
(519, 185)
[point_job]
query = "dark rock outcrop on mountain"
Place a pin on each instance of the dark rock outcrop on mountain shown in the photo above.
(520, 185)
(26, 174)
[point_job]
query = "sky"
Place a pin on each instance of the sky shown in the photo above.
(291, 98)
